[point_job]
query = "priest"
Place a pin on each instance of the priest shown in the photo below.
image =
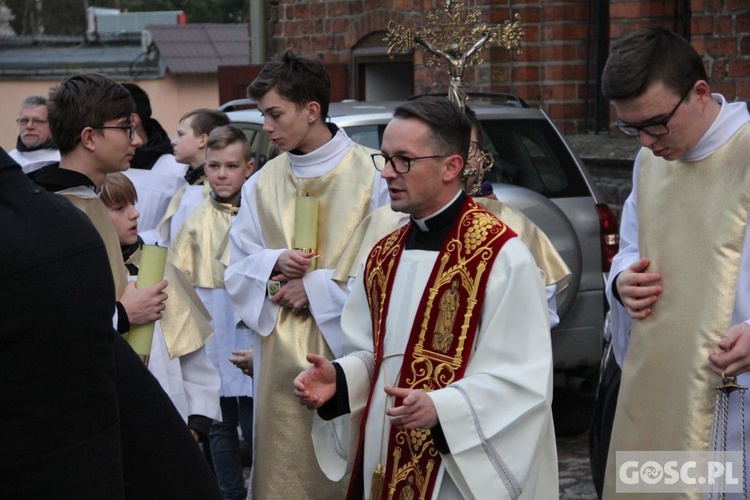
(441, 402)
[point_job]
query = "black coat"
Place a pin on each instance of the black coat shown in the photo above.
(80, 416)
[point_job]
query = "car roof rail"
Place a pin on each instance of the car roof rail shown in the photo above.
(238, 104)
(498, 98)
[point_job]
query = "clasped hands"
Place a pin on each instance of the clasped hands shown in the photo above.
(317, 385)
(291, 266)
(640, 290)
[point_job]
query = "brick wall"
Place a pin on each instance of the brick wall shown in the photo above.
(557, 67)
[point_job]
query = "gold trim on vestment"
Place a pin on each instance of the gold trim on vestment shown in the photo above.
(692, 219)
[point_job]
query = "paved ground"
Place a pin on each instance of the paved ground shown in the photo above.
(574, 469)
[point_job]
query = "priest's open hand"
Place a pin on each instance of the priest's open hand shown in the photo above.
(317, 384)
(417, 410)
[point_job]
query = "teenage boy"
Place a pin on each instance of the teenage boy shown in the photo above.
(90, 121)
(320, 161)
(200, 251)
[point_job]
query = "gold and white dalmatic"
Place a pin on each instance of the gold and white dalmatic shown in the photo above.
(341, 176)
(689, 217)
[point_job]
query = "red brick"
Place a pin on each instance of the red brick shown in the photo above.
(528, 15)
(699, 44)
(564, 72)
(742, 23)
(630, 10)
(717, 47)
(562, 92)
(703, 25)
(726, 88)
(572, 12)
(564, 52)
(526, 73)
(697, 5)
(723, 25)
(736, 4)
(739, 68)
(573, 31)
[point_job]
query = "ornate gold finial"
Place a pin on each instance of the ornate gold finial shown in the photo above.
(455, 42)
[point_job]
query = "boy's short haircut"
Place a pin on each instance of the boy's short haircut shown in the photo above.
(204, 120)
(118, 190)
(221, 137)
(300, 80)
(85, 100)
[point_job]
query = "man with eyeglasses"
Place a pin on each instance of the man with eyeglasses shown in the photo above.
(34, 147)
(446, 323)
(90, 120)
(679, 288)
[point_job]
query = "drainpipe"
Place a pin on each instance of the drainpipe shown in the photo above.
(258, 31)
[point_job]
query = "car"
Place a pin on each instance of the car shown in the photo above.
(536, 171)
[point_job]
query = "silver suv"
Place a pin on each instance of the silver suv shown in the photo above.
(535, 171)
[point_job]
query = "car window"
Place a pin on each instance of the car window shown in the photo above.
(529, 153)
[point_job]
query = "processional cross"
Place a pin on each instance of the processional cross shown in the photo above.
(454, 40)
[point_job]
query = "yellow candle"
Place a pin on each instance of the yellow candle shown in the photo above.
(150, 272)
(306, 224)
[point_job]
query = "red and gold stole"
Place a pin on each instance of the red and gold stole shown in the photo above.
(440, 342)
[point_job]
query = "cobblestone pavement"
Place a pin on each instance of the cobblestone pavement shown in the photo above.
(574, 468)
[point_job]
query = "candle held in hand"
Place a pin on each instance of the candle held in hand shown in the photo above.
(150, 272)
(306, 225)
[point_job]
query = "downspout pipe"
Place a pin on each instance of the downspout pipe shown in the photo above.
(258, 31)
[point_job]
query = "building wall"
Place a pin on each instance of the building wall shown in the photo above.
(171, 97)
(557, 68)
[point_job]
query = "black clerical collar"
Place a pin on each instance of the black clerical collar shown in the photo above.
(53, 178)
(195, 176)
(437, 227)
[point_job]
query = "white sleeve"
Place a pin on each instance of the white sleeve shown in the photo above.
(497, 419)
(250, 266)
(202, 383)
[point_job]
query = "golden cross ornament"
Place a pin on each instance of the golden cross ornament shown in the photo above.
(454, 37)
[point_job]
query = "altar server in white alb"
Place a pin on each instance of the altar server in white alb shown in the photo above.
(323, 164)
(200, 249)
(448, 366)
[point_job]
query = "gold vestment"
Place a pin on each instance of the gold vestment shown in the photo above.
(692, 219)
(286, 466)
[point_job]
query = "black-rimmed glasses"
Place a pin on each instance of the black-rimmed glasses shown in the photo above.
(399, 163)
(130, 128)
(655, 128)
